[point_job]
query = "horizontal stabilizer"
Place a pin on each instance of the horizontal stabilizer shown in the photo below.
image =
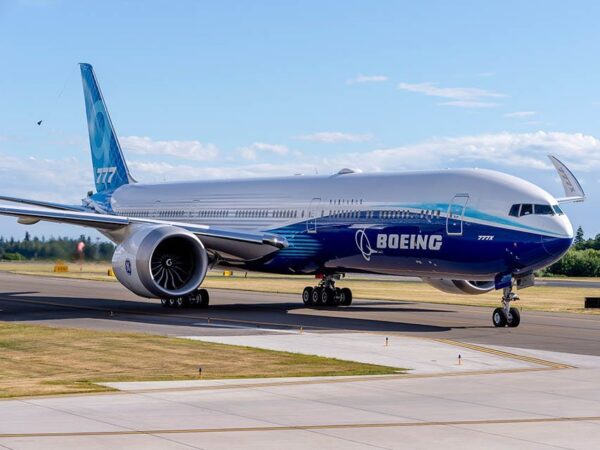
(573, 190)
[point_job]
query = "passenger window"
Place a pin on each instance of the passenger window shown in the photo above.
(543, 209)
(514, 210)
(526, 209)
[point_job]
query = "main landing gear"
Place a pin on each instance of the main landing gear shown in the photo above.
(507, 316)
(327, 294)
(197, 299)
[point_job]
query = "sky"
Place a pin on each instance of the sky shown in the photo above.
(205, 90)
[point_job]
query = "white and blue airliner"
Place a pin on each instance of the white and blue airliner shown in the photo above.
(465, 231)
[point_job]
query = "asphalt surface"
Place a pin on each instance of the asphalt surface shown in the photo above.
(103, 305)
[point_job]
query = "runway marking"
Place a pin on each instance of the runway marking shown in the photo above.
(504, 354)
(542, 420)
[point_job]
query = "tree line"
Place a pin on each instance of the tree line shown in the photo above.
(64, 248)
(582, 259)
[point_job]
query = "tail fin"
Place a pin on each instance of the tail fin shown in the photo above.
(110, 169)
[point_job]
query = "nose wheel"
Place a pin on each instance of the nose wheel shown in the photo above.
(506, 315)
(326, 294)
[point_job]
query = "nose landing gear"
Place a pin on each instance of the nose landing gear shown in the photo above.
(507, 316)
(327, 294)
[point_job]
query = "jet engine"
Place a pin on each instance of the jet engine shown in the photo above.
(461, 286)
(160, 261)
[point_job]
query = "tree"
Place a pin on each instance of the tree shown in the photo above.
(579, 236)
(27, 236)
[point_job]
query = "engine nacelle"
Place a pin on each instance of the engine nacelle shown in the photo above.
(461, 286)
(160, 261)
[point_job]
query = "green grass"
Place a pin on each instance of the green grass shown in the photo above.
(40, 360)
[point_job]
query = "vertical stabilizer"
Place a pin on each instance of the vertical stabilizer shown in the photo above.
(110, 169)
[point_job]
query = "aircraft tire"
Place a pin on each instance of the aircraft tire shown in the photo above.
(204, 298)
(515, 318)
(307, 296)
(316, 296)
(327, 296)
(347, 297)
(499, 318)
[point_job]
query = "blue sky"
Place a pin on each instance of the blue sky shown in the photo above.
(227, 89)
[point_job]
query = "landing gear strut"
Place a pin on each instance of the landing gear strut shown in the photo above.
(197, 299)
(506, 315)
(327, 294)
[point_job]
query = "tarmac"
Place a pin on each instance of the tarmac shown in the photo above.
(535, 386)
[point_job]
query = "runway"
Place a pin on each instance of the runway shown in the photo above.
(534, 410)
(103, 305)
(539, 399)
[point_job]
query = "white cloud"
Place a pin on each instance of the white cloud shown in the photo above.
(470, 104)
(367, 79)
(59, 180)
(251, 152)
(458, 96)
(332, 137)
(520, 114)
(67, 180)
(192, 150)
(523, 150)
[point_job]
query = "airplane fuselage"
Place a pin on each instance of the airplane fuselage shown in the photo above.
(439, 224)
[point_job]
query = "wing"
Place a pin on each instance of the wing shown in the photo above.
(238, 244)
(573, 190)
(43, 204)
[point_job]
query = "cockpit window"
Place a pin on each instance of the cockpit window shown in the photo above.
(557, 210)
(526, 209)
(544, 209)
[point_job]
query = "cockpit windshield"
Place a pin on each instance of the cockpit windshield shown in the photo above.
(526, 209)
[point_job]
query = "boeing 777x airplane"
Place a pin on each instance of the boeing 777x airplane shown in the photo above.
(465, 231)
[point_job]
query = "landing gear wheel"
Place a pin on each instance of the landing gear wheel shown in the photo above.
(337, 297)
(204, 299)
(307, 296)
(514, 318)
(193, 300)
(346, 297)
(164, 302)
(499, 318)
(316, 296)
(327, 295)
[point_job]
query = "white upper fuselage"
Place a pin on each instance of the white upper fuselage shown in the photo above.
(270, 203)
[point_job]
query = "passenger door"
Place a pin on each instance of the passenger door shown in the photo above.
(311, 223)
(456, 212)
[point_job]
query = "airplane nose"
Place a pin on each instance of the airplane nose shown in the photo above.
(556, 247)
